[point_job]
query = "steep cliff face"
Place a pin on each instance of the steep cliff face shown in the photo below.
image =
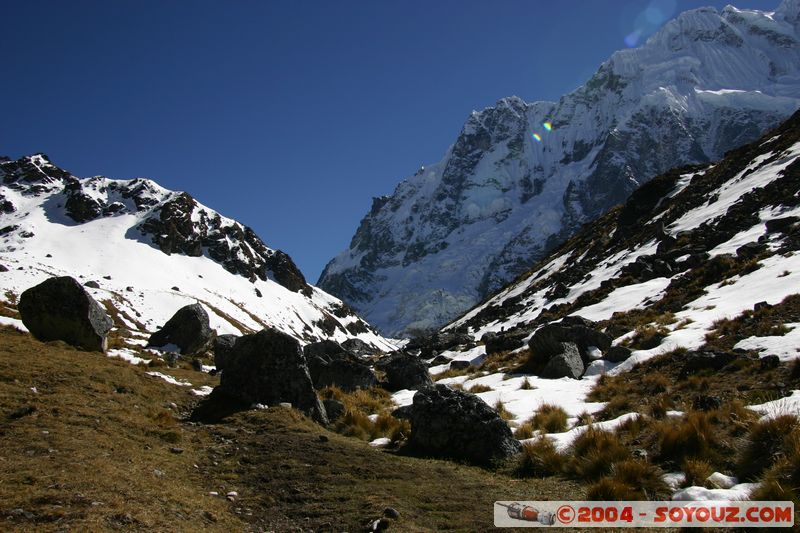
(522, 177)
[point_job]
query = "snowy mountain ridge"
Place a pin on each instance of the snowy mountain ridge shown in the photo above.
(150, 251)
(696, 274)
(699, 244)
(522, 177)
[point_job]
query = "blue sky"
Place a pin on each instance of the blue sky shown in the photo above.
(289, 115)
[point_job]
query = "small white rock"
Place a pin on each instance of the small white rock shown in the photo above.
(722, 481)
(594, 353)
(674, 479)
(213, 493)
(381, 442)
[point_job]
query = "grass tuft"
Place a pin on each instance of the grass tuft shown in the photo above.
(693, 437)
(696, 472)
(549, 418)
(767, 441)
(593, 453)
(478, 388)
(539, 458)
(502, 412)
(630, 480)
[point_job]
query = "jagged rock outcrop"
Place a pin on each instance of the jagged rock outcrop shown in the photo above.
(459, 425)
(522, 177)
(173, 222)
(61, 309)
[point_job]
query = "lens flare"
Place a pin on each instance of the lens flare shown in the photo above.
(537, 137)
(547, 125)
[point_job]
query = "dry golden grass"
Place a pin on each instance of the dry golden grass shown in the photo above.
(630, 480)
(368, 401)
(767, 441)
(696, 472)
(593, 453)
(693, 437)
(92, 450)
(550, 418)
(94, 447)
(502, 412)
(539, 458)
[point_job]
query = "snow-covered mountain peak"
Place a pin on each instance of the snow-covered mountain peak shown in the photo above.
(151, 250)
(700, 244)
(521, 177)
(789, 11)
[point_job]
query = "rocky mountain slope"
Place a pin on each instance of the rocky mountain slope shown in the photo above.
(667, 333)
(689, 250)
(148, 251)
(522, 177)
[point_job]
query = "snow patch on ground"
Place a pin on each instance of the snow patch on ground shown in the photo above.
(786, 347)
(736, 493)
(789, 405)
(624, 299)
(13, 322)
(563, 440)
(127, 355)
(169, 379)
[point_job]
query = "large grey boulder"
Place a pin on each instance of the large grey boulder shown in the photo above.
(566, 363)
(504, 340)
(358, 347)
(457, 424)
(404, 371)
(547, 339)
(617, 354)
(188, 329)
(223, 346)
(343, 370)
(331, 365)
(61, 309)
(269, 368)
(326, 349)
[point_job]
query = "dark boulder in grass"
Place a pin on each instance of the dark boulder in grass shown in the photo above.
(188, 329)
(223, 345)
(404, 371)
(333, 408)
(330, 364)
(459, 425)
(343, 370)
(61, 309)
(269, 368)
